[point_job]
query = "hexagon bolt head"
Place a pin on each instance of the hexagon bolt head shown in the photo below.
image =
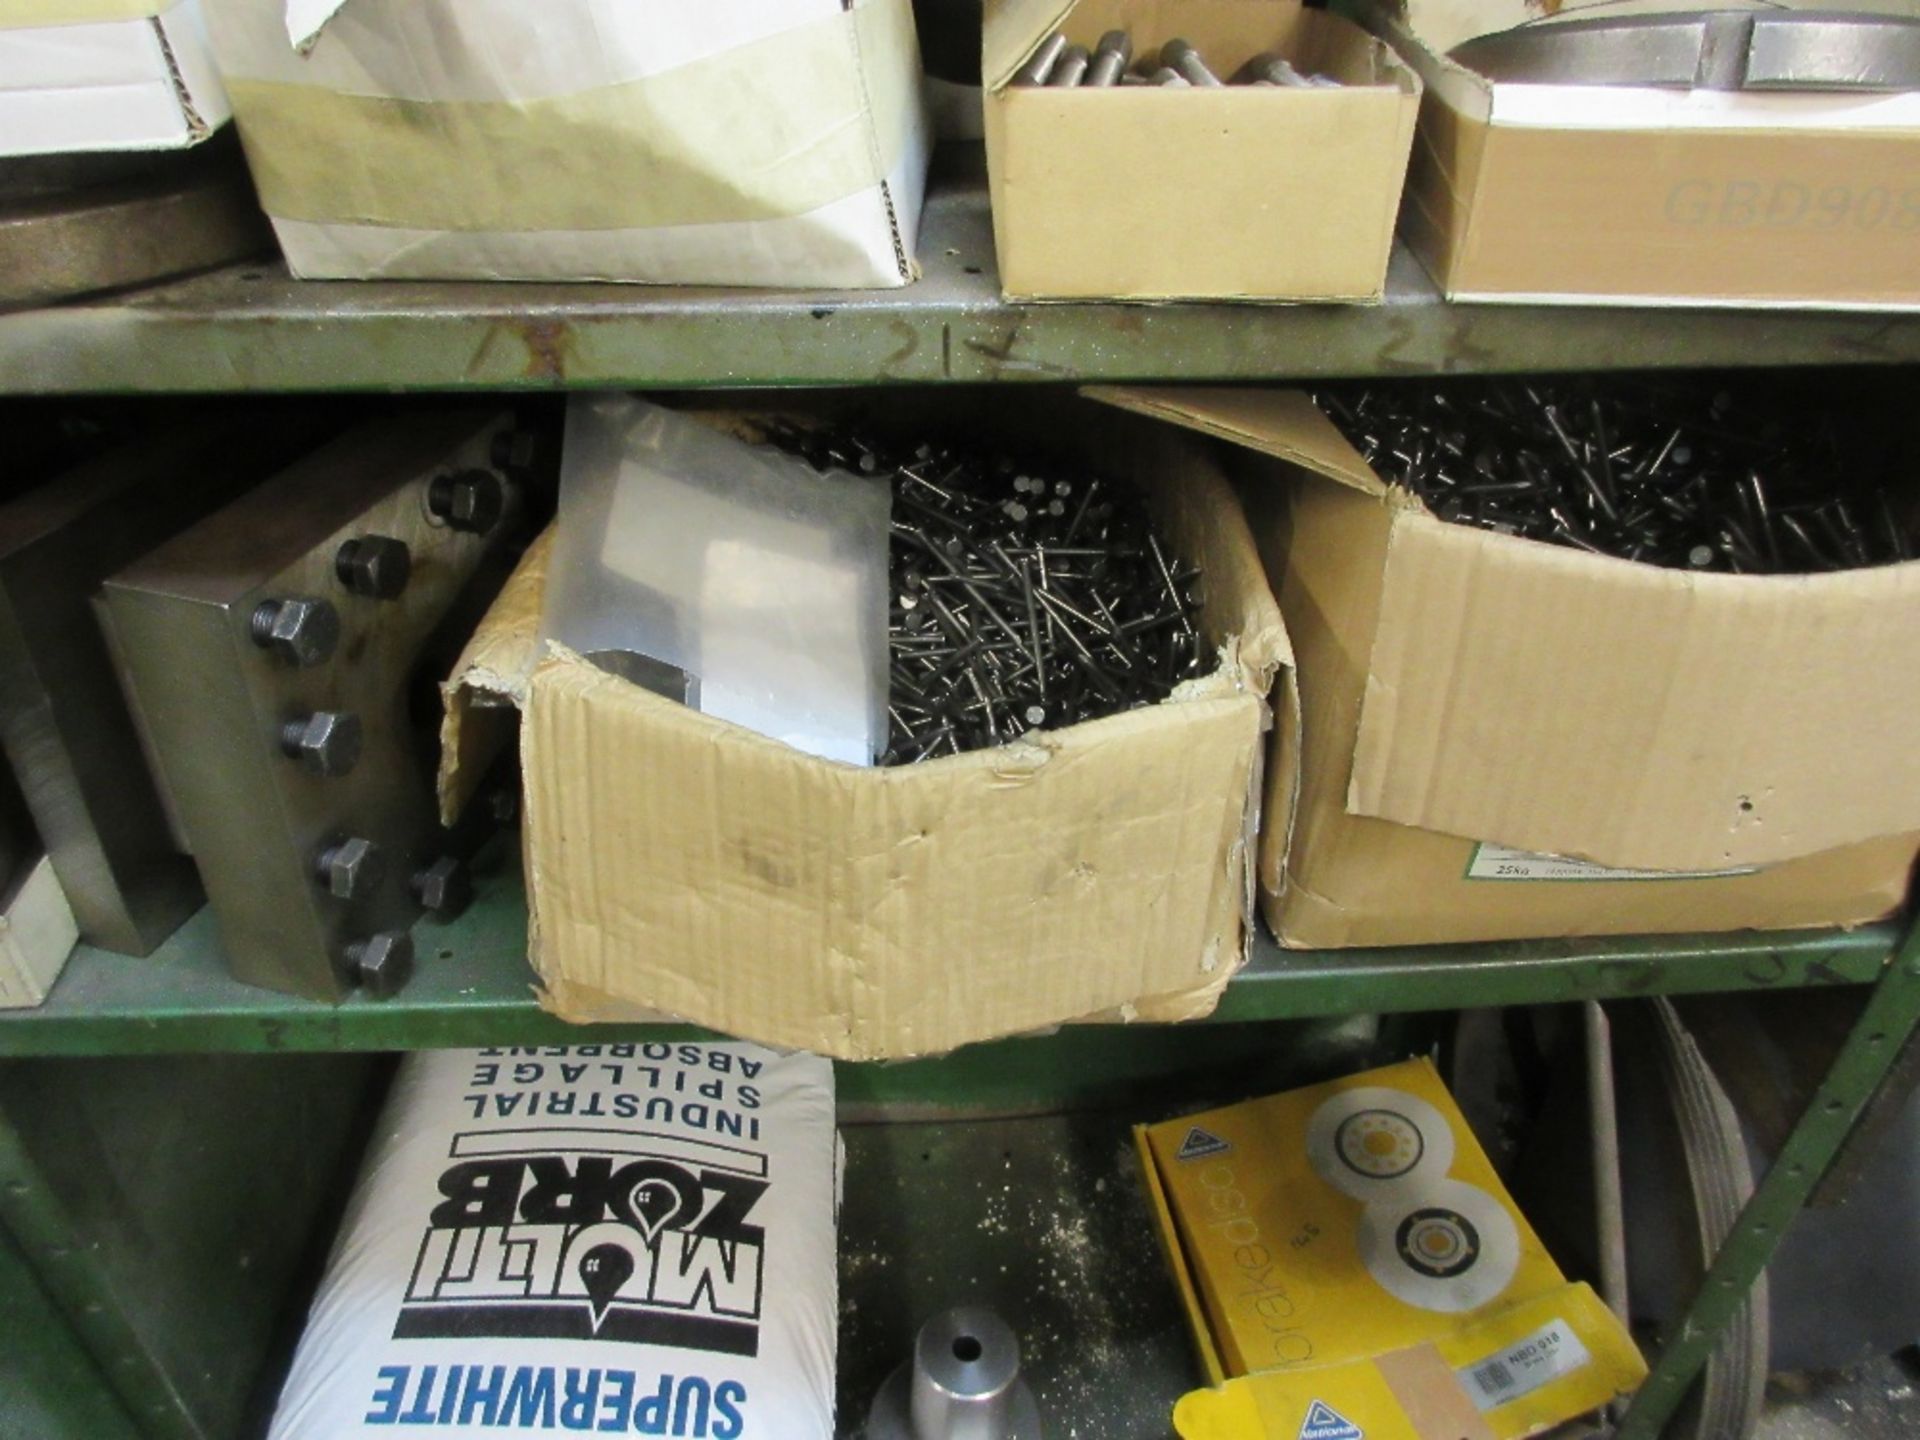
(301, 629)
(351, 867)
(326, 743)
(376, 566)
(382, 964)
(472, 500)
(443, 888)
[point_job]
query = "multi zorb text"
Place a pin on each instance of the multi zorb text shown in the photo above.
(629, 1239)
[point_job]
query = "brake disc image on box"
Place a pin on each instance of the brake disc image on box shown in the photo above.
(627, 1239)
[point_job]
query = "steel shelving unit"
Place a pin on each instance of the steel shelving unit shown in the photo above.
(252, 329)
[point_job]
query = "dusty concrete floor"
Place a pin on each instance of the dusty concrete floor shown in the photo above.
(1880, 1401)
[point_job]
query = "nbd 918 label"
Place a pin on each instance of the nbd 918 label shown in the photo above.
(1792, 205)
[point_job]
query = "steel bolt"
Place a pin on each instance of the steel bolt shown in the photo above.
(376, 566)
(382, 964)
(351, 867)
(1069, 69)
(326, 743)
(472, 500)
(1180, 56)
(301, 629)
(443, 888)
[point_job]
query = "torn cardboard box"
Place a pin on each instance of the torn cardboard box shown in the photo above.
(1233, 193)
(84, 77)
(680, 864)
(1348, 1257)
(1490, 738)
(1639, 195)
(778, 142)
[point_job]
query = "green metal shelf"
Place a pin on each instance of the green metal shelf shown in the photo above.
(252, 328)
(473, 987)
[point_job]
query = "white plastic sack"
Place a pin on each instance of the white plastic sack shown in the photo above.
(607, 1239)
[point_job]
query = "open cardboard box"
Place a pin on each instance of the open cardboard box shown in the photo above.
(1485, 737)
(679, 864)
(1242, 193)
(1644, 196)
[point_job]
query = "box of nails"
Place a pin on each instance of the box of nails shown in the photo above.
(1081, 646)
(1581, 656)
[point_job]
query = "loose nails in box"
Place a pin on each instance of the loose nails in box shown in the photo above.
(677, 863)
(1487, 737)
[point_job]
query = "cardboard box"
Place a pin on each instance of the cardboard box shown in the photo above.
(37, 934)
(85, 76)
(1349, 1251)
(677, 863)
(1642, 196)
(780, 142)
(1733, 750)
(1240, 193)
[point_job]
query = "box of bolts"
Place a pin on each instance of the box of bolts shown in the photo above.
(1215, 149)
(1581, 657)
(79, 77)
(619, 1239)
(1705, 154)
(1352, 1267)
(776, 142)
(870, 796)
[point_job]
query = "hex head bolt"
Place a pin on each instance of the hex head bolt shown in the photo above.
(443, 889)
(1070, 68)
(350, 868)
(469, 500)
(381, 964)
(300, 629)
(1180, 56)
(1271, 69)
(326, 743)
(1110, 58)
(1040, 64)
(375, 566)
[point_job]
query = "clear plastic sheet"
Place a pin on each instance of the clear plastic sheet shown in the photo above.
(724, 574)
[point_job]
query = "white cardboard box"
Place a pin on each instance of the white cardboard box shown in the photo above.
(37, 934)
(84, 76)
(763, 142)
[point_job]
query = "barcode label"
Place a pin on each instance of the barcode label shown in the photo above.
(1493, 1378)
(1497, 862)
(1523, 1367)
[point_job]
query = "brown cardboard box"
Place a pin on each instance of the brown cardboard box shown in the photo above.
(1453, 686)
(677, 863)
(1237, 193)
(1637, 196)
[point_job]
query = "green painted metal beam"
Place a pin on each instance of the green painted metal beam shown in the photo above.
(1889, 1017)
(49, 1387)
(254, 328)
(473, 986)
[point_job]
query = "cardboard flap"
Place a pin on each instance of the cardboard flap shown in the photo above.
(1555, 701)
(1284, 424)
(307, 18)
(1009, 32)
(480, 699)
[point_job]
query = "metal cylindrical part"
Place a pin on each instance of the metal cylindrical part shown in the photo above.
(1040, 64)
(1270, 69)
(966, 1365)
(1070, 68)
(1179, 55)
(1166, 75)
(1110, 58)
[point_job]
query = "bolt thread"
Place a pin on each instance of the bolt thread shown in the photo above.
(260, 623)
(291, 734)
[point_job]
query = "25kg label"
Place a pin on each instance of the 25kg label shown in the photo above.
(1792, 205)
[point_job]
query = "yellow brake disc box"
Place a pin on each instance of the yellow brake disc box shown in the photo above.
(1360, 1221)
